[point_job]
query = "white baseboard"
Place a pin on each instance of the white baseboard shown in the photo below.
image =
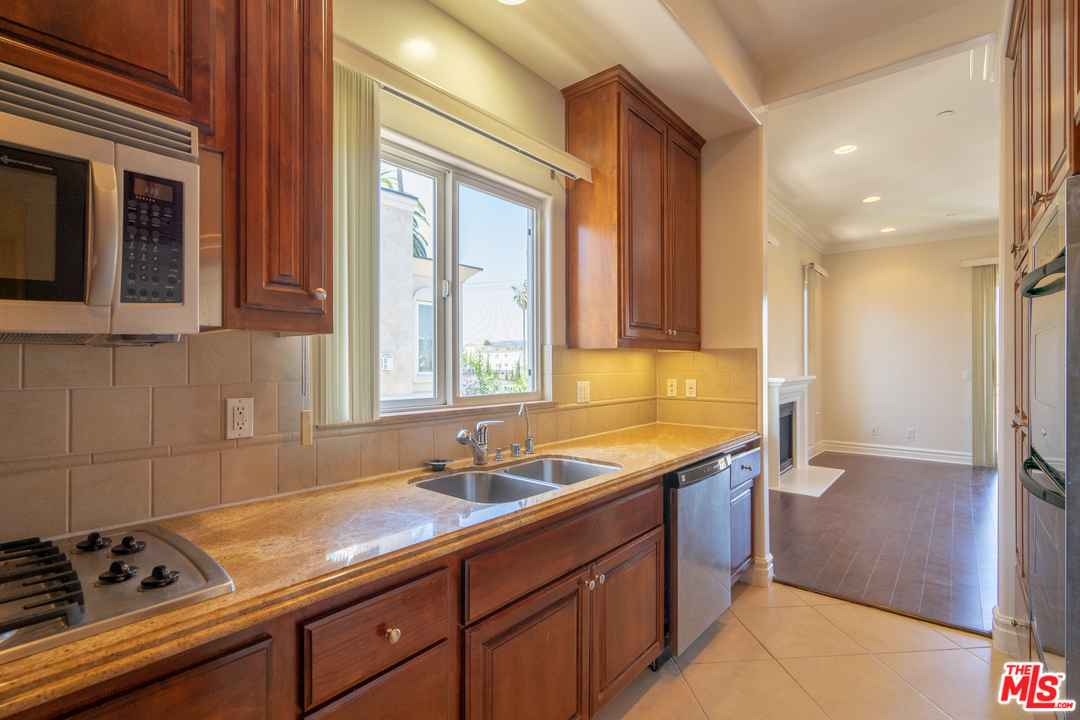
(893, 451)
(817, 449)
(761, 573)
(1010, 635)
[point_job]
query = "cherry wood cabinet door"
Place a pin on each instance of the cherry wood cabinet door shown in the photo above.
(627, 615)
(162, 55)
(643, 282)
(1022, 80)
(1040, 98)
(278, 270)
(684, 239)
(233, 686)
(530, 661)
(1059, 130)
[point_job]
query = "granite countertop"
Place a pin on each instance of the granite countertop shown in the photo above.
(290, 551)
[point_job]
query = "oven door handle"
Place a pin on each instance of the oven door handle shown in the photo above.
(1036, 276)
(1047, 495)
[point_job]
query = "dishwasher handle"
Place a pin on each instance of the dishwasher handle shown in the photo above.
(699, 473)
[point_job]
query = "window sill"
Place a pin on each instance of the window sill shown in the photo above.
(461, 410)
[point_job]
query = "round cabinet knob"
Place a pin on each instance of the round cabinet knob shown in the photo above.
(1017, 426)
(129, 546)
(320, 294)
(393, 635)
(592, 584)
(602, 579)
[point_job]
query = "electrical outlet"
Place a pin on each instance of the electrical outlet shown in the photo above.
(239, 418)
(911, 432)
(673, 388)
(873, 429)
(691, 388)
(967, 375)
(583, 391)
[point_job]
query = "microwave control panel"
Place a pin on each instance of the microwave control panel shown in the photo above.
(152, 268)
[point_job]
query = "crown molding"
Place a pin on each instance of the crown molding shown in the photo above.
(990, 228)
(797, 226)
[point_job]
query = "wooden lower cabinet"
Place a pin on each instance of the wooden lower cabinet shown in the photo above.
(566, 650)
(627, 622)
(416, 690)
(233, 686)
(531, 661)
(742, 528)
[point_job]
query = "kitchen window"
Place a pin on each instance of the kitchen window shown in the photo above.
(457, 269)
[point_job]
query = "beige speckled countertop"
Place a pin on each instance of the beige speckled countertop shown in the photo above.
(290, 551)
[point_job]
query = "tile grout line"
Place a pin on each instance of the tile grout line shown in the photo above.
(892, 523)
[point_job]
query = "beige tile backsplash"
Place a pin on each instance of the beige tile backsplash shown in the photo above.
(91, 437)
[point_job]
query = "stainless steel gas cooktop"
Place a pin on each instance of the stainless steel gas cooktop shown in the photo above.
(53, 592)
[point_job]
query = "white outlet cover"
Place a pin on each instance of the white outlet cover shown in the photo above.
(583, 391)
(911, 432)
(239, 418)
(691, 388)
(967, 375)
(873, 429)
(672, 388)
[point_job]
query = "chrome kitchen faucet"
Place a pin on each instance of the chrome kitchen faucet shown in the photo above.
(478, 443)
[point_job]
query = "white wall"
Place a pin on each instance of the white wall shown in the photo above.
(896, 342)
(786, 263)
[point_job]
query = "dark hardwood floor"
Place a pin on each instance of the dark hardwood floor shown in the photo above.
(914, 536)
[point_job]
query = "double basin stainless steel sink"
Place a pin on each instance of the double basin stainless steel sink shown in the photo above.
(516, 482)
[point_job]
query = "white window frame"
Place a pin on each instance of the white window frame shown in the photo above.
(417, 302)
(447, 313)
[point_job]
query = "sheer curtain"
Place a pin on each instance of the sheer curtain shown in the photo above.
(345, 378)
(984, 365)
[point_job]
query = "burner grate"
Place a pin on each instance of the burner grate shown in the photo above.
(37, 584)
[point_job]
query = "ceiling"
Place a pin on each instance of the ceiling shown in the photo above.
(564, 41)
(778, 33)
(937, 176)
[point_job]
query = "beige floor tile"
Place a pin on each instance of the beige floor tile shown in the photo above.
(744, 595)
(985, 654)
(793, 632)
(961, 638)
(654, 696)
(759, 689)
(813, 598)
(957, 682)
(879, 631)
(726, 640)
(857, 687)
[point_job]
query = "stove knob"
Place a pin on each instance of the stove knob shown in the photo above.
(129, 546)
(118, 572)
(94, 541)
(160, 576)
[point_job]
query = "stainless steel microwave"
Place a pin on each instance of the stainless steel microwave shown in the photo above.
(99, 217)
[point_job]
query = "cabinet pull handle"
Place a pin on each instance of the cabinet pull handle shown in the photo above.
(592, 584)
(393, 635)
(1014, 248)
(1018, 425)
(320, 294)
(602, 578)
(745, 467)
(1038, 198)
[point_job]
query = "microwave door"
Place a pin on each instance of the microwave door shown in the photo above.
(44, 223)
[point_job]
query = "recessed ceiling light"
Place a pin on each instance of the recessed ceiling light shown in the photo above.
(945, 113)
(872, 198)
(844, 149)
(888, 229)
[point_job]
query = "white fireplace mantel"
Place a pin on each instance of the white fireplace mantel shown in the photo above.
(802, 478)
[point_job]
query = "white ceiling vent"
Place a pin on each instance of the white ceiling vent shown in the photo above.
(45, 100)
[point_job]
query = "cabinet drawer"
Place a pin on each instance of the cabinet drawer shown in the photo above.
(745, 466)
(499, 576)
(353, 644)
(418, 690)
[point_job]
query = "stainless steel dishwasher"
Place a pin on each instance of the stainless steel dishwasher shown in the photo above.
(698, 539)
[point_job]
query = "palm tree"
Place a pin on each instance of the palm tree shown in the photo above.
(419, 243)
(521, 299)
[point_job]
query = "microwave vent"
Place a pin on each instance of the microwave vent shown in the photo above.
(48, 101)
(45, 338)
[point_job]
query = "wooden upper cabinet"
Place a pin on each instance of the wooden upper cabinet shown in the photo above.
(633, 233)
(167, 56)
(279, 267)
